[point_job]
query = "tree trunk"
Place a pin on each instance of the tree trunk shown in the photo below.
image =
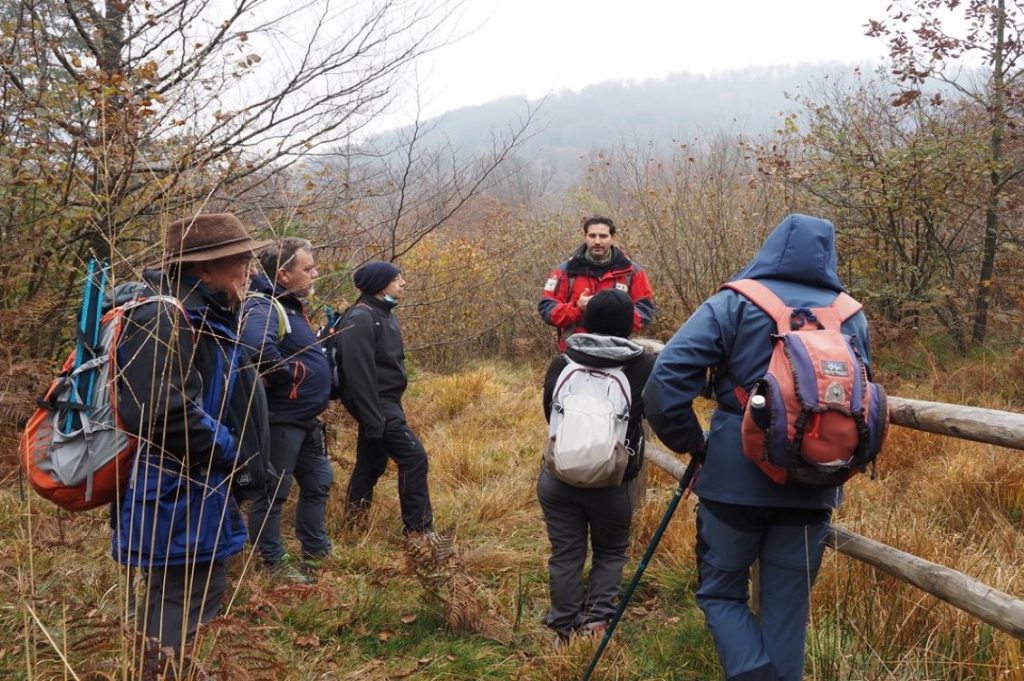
(991, 241)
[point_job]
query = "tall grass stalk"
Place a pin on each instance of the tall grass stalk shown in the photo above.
(68, 605)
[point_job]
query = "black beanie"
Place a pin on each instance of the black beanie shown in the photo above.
(374, 276)
(610, 313)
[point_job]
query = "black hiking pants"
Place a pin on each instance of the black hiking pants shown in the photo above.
(401, 444)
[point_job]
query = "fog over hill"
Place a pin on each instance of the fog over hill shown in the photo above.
(683, 106)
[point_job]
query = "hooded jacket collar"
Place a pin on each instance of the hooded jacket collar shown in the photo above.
(578, 263)
(596, 350)
(261, 284)
(800, 249)
(193, 294)
(377, 303)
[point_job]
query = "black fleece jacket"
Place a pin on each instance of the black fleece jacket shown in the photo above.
(373, 362)
(174, 372)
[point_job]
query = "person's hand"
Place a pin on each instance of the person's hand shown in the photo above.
(254, 478)
(584, 299)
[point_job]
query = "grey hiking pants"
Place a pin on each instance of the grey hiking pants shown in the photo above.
(574, 515)
(179, 598)
(298, 454)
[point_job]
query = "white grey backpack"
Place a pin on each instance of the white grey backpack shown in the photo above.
(587, 434)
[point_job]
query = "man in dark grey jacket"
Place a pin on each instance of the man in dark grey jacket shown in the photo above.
(374, 379)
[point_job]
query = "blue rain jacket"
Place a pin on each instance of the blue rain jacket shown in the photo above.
(731, 336)
(179, 391)
(293, 364)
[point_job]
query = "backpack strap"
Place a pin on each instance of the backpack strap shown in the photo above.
(284, 326)
(764, 298)
(845, 307)
(575, 367)
(340, 319)
(359, 304)
(841, 309)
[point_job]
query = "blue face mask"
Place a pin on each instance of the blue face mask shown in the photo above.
(391, 299)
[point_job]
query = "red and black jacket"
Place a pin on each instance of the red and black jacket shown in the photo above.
(576, 277)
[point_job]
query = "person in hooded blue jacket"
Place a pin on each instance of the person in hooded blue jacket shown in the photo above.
(186, 389)
(743, 515)
(298, 379)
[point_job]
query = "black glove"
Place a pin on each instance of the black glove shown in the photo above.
(255, 477)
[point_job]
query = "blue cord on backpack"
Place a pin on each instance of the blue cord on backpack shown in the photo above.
(88, 338)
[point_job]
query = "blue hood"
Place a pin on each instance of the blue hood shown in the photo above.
(801, 249)
(261, 284)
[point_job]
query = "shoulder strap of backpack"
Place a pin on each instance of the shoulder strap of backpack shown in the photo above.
(841, 309)
(572, 367)
(764, 298)
(844, 307)
(125, 308)
(284, 326)
(625, 393)
(568, 370)
(145, 300)
(340, 319)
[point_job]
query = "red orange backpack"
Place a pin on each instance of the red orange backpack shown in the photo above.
(814, 419)
(75, 450)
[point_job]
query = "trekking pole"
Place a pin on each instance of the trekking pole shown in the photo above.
(677, 496)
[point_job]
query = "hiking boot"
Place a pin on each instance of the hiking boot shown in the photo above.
(287, 572)
(594, 629)
(316, 561)
(561, 639)
(429, 546)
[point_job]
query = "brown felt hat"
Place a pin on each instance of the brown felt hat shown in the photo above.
(206, 236)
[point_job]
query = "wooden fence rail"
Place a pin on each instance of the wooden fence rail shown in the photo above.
(990, 426)
(999, 609)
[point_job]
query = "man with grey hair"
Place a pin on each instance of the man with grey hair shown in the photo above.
(295, 371)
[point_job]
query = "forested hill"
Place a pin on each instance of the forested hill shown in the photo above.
(680, 107)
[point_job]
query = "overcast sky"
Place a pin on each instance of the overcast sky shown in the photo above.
(535, 47)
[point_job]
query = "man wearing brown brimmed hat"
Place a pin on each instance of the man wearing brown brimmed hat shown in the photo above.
(213, 247)
(187, 390)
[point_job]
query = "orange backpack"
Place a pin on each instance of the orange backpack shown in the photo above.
(83, 462)
(814, 419)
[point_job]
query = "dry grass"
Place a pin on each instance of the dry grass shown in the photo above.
(952, 502)
(478, 617)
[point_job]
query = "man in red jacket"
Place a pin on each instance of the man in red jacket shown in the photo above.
(597, 265)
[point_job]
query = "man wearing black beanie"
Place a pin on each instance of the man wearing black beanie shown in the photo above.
(600, 516)
(372, 383)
